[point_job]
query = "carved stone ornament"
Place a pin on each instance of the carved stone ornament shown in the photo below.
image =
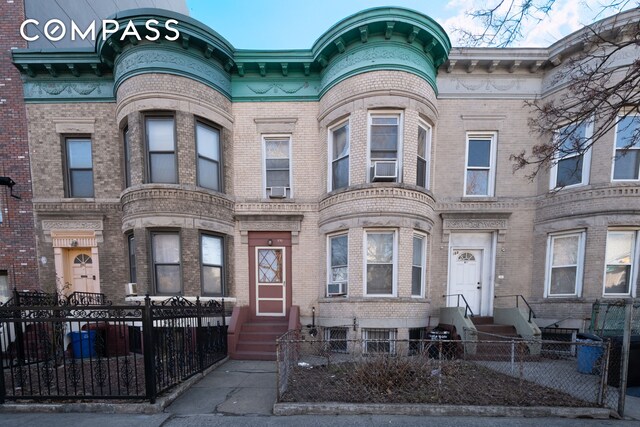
(249, 223)
(452, 222)
(55, 224)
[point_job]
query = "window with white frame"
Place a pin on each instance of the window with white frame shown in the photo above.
(418, 266)
(208, 143)
(338, 265)
(79, 167)
(337, 339)
(380, 265)
(620, 262)
(626, 161)
(565, 260)
(571, 161)
(212, 269)
(277, 166)
(384, 147)
(480, 164)
(161, 150)
(424, 150)
(166, 262)
(339, 155)
(379, 341)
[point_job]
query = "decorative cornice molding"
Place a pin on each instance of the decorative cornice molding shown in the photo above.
(78, 90)
(59, 224)
(465, 221)
(251, 222)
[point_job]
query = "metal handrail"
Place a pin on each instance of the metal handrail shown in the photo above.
(532, 314)
(467, 307)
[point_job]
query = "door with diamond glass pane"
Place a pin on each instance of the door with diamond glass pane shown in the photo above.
(271, 281)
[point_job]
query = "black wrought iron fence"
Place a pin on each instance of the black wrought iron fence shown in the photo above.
(66, 349)
(313, 368)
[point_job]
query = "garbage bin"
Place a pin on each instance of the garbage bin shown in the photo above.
(435, 348)
(83, 344)
(588, 355)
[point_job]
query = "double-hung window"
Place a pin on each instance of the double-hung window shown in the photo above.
(620, 262)
(384, 147)
(277, 166)
(424, 149)
(572, 161)
(338, 265)
(380, 263)
(208, 143)
(339, 155)
(212, 252)
(337, 339)
(626, 162)
(161, 148)
(418, 265)
(565, 260)
(166, 262)
(79, 167)
(480, 170)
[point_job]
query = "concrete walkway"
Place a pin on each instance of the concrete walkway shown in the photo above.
(238, 387)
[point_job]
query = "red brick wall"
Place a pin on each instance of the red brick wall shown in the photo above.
(17, 236)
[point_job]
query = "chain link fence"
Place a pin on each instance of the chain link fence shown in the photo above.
(337, 365)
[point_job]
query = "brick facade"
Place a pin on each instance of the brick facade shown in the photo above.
(17, 242)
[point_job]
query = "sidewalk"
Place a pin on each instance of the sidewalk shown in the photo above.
(238, 387)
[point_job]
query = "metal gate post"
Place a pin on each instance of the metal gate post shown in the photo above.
(626, 348)
(149, 349)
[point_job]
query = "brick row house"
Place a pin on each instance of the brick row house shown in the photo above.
(364, 182)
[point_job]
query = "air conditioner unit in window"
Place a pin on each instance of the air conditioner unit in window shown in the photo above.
(385, 170)
(131, 289)
(277, 192)
(334, 289)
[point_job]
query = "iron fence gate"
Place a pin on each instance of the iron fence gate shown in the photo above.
(67, 348)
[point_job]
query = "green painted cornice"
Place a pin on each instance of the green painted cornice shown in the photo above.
(385, 38)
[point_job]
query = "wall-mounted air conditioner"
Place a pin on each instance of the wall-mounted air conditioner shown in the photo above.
(131, 289)
(334, 289)
(385, 170)
(277, 192)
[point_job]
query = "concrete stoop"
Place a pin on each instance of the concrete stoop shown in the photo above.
(437, 410)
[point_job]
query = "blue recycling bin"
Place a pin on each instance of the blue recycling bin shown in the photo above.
(83, 344)
(588, 355)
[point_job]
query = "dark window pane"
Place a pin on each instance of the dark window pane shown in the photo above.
(208, 174)
(627, 132)
(132, 260)
(79, 153)
(127, 158)
(380, 279)
(277, 178)
(282, 164)
(417, 251)
(479, 153)
(384, 137)
(168, 279)
(81, 183)
(339, 251)
(422, 173)
(416, 281)
(626, 165)
(563, 280)
(569, 171)
(392, 155)
(163, 168)
(160, 135)
(212, 280)
(341, 142)
(477, 183)
(340, 177)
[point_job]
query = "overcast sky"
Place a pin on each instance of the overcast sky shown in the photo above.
(296, 24)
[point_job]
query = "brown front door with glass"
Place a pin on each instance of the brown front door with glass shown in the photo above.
(270, 274)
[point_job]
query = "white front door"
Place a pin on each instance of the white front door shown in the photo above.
(83, 278)
(466, 279)
(271, 281)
